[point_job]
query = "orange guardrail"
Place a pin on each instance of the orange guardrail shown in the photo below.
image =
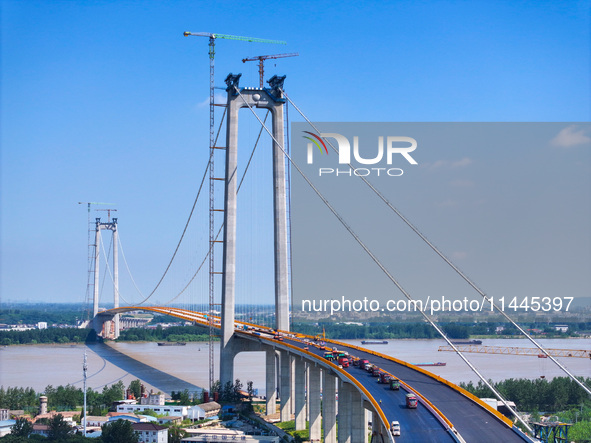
(497, 414)
(335, 368)
(455, 387)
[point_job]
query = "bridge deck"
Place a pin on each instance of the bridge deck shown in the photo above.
(472, 421)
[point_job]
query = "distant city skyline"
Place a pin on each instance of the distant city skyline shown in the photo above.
(108, 102)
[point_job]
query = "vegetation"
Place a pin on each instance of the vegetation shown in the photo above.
(118, 431)
(421, 330)
(559, 397)
(289, 427)
(49, 335)
(32, 314)
(61, 398)
(172, 334)
(176, 434)
(559, 394)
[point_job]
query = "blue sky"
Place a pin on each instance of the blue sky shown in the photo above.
(105, 101)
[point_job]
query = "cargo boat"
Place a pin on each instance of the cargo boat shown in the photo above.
(439, 363)
(374, 342)
(467, 342)
(166, 343)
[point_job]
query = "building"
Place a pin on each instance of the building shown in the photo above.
(42, 325)
(150, 433)
(94, 421)
(160, 410)
(217, 435)
(172, 419)
(153, 399)
(210, 409)
(4, 414)
(561, 328)
(6, 426)
(41, 429)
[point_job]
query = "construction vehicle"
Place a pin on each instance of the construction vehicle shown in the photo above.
(394, 384)
(411, 401)
(384, 378)
(344, 362)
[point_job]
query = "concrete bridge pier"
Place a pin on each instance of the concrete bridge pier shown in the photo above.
(285, 385)
(235, 346)
(329, 408)
(300, 393)
(345, 414)
(271, 380)
(378, 432)
(314, 402)
(358, 420)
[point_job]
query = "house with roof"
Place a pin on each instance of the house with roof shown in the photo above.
(6, 427)
(150, 433)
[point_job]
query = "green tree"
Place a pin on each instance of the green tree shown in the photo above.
(119, 431)
(22, 428)
(59, 429)
(580, 431)
(176, 434)
(113, 393)
(136, 388)
(250, 390)
(236, 391)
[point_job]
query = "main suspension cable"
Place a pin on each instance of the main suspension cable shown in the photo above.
(448, 261)
(222, 225)
(382, 267)
(190, 216)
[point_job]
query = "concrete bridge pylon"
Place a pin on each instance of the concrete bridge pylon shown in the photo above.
(271, 99)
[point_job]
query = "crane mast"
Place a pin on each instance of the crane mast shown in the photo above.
(212, 178)
(261, 59)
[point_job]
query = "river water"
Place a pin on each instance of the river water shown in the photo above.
(173, 368)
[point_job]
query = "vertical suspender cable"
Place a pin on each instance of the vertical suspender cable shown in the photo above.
(390, 276)
(452, 265)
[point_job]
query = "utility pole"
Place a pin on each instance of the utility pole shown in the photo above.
(84, 371)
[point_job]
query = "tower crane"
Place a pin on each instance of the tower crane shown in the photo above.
(262, 58)
(108, 212)
(212, 37)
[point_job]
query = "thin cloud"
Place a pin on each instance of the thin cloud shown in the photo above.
(461, 163)
(571, 136)
(217, 98)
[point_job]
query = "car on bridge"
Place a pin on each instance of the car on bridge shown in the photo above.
(395, 428)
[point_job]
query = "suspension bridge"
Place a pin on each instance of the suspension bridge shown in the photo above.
(298, 374)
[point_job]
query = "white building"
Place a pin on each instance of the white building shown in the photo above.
(160, 410)
(153, 399)
(94, 421)
(150, 433)
(197, 412)
(42, 325)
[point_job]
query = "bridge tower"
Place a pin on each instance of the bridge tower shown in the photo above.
(110, 226)
(270, 98)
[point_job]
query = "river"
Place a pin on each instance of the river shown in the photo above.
(168, 368)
